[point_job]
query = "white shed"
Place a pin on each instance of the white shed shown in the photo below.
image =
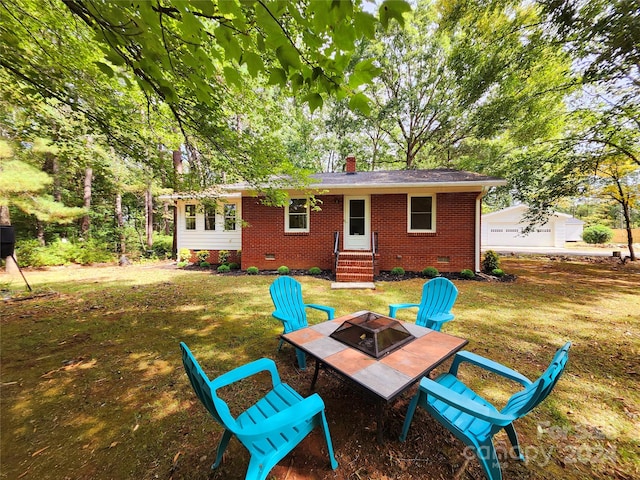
(505, 228)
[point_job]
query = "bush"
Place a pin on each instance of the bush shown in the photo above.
(467, 274)
(223, 257)
(430, 272)
(491, 261)
(162, 245)
(184, 255)
(205, 264)
(182, 264)
(224, 269)
(202, 256)
(315, 271)
(397, 271)
(496, 272)
(283, 270)
(234, 266)
(252, 270)
(597, 234)
(92, 251)
(31, 254)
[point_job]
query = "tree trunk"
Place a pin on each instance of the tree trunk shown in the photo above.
(148, 215)
(627, 221)
(177, 167)
(122, 247)
(86, 222)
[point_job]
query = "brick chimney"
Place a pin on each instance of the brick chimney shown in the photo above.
(351, 165)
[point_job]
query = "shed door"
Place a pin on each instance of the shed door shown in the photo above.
(357, 223)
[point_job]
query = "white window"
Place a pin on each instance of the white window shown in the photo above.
(421, 213)
(190, 217)
(230, 217)
(210, 218)
(296, 217)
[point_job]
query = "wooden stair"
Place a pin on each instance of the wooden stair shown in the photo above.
(354, 266)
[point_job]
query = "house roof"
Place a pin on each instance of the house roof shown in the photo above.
(523, 209)
(407, 178)
(439, 177)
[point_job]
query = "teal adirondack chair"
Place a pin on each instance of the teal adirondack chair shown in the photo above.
(474, 420)
(434, 309)
(290, 309)
(269, 429)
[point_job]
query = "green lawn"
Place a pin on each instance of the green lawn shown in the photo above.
(92, 385)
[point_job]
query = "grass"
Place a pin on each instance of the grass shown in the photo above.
(92, 385)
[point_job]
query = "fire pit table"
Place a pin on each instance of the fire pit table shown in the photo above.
(382, 355)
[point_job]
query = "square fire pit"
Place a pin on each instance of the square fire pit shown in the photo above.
(373, 334)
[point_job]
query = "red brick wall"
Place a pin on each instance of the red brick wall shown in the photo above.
(265, 235)
(454, 237)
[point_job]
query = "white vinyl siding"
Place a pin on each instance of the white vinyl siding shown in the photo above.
(216, 239)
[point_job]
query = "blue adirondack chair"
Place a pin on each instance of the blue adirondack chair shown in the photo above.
(474, 420)
(290, 309)
(434, 309)
(269, 429)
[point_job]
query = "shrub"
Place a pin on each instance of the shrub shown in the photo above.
(468, 274)
(315, 271)
(224, 269)
(234, 266)
(184, 255)
(92, 251)
(205, 264)
(491, 261)
(283, 270)
(252, 270)
(597, 234)
(397, 271)
(182, 264)
(430, 272)
(497, 272)
(162, 245)
(223, 257)
(202, 255)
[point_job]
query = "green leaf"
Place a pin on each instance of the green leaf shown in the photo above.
(288, 57)
(278, 77)
(254, 63)
(314, 100)
(232, 76)
(360, 102)
(364, 72)
(393, 9)
(106, 69)
(365, 23)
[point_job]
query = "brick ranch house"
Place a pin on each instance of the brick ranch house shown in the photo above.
(367, 222)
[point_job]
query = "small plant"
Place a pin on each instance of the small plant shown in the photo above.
(467, 274)
(283, 270)
(234, 266)
(224, 269)
(496, 272)
(205, 264)
(491, 261)
(223, 257)
(397, 271)
(202, 256)
(596, 234)
(184, 255)
(182, 264)
(315, 271)
(252, 270)
(430, 272)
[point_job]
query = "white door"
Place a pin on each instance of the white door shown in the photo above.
(357, 223)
